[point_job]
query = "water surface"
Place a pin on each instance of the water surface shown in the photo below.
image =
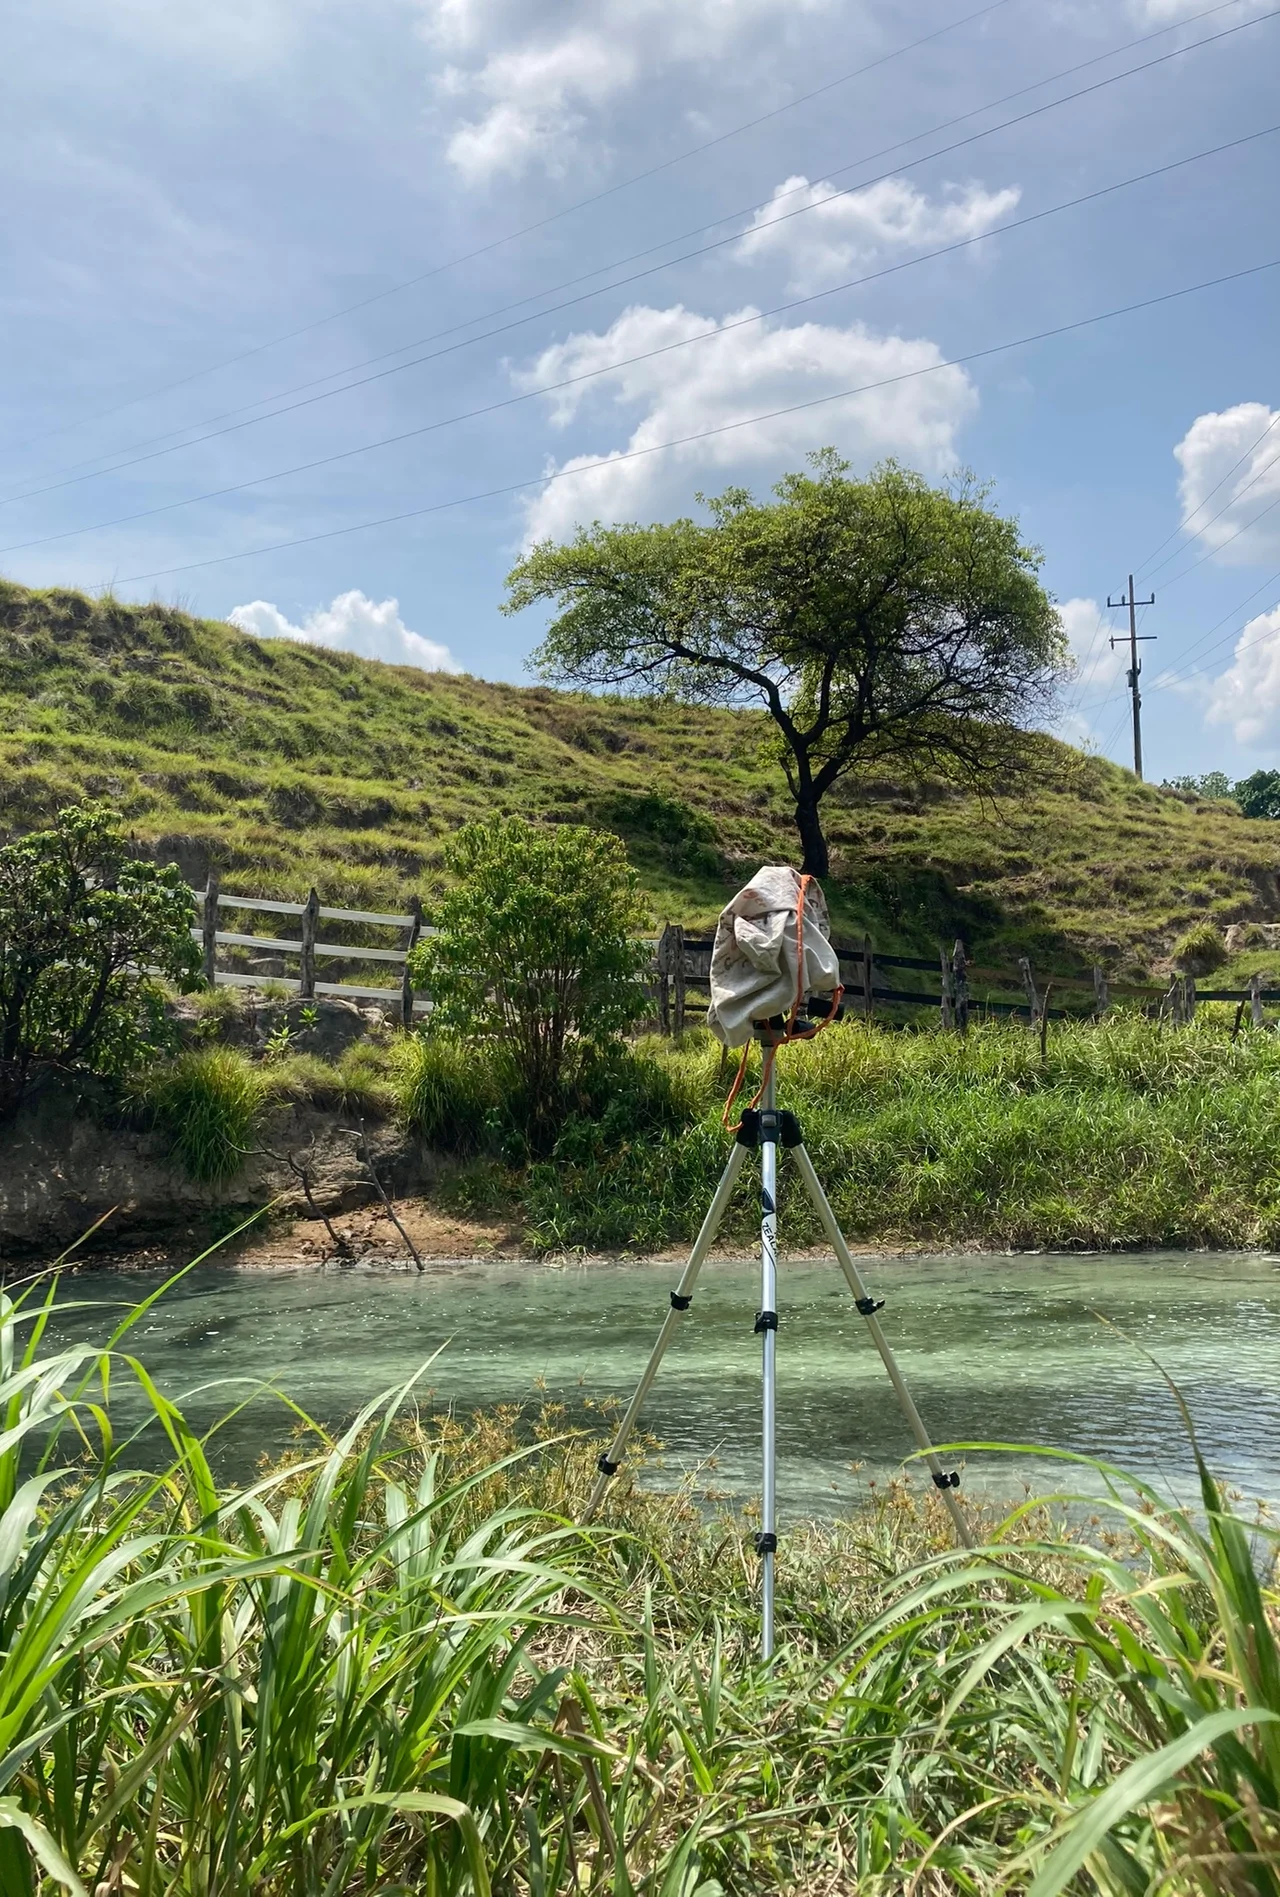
(1007, 1349)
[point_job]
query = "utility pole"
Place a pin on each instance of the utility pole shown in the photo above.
(1134, 667)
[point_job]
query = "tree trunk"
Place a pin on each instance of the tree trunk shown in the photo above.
(816, 860)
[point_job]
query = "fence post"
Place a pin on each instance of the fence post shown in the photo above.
(662, 964)
(211, 928)
(1101, 998)
(960, 979)
(675, 956)
(1188, 1000)
(307, 959)
(1029, 985)
(406, 984)
(868, 978)
(1255, 1001)
(948, 1017)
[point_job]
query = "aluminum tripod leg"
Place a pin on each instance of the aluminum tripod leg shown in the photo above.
(681, 1298)
(767, 1326)
(867, 1307)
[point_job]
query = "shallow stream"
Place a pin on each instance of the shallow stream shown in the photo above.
(1007, 1349)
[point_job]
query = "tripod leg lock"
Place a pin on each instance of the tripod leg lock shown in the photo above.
(611, 1468)
(765, 1321)
(867, 1307)
(946, 1479)
(679, 1302)
(766, 1544)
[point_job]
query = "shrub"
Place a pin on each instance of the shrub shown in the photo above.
(1200, 950)
(534, 953)
(209, 1102)
(84, 928)
(449, 1093)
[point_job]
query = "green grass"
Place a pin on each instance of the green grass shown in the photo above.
(286, 764)
(394, 1665)
(1128, 1134)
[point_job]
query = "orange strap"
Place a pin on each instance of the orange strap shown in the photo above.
(789, 1032)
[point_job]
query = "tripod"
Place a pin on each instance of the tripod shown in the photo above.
(766, 1129)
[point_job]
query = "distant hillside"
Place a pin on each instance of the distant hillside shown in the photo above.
(288, 764)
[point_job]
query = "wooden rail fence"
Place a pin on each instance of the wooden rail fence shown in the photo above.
(956, 987)
(308, 948)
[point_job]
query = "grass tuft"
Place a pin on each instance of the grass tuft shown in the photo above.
(209, 1101)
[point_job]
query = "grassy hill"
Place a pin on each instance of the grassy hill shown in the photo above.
(287, 764)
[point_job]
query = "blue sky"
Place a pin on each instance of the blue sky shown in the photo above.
(220, 211)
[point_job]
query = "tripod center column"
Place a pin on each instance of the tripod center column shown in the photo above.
(767, 1326)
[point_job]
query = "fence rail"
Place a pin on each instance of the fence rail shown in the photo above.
(308, 949)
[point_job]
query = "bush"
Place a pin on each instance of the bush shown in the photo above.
(449, 1093)
(84, 927)
(1200, 950)
(534, 953)
(209, 1102)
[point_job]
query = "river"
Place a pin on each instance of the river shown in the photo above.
(1008, 1349)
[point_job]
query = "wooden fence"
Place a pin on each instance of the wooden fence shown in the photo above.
(875, 983)
(959, 989)
(308, 949)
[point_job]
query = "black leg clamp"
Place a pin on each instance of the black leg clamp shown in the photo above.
(748, 1133)
(789, 1130)
(766, 1544)
(679, 1302)
(947, 1479)
(867, 1307)
(611, 1468)
(766, 1321)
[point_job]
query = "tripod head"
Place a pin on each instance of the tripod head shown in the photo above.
(814, 1014)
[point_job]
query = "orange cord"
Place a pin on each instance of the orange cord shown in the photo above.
(789, 1032)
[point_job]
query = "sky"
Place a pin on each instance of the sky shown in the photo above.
(313, 315)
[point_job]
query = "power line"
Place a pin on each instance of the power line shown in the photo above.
(703, 434)
(553, 217)
(1242, 528)
(648, 355)
(1167, 681)
(652, 270)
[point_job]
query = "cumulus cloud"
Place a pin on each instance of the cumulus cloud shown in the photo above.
(531, 83)
(820, 235)
(1246, 696)
(353, 623)
(737, 374)
(1240, 448)
(1164, 12)
(1098, 669)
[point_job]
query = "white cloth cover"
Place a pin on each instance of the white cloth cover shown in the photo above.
(753, 958)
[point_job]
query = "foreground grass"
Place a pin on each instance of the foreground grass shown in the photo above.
(395, 1665)
(288, 764)
(1126, 1134)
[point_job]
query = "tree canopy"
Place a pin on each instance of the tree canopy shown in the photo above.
(879, 622)
(84, 927)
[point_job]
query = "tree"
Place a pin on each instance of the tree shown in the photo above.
(879, 622)
(1259, 794)
(535, 952)
(82, 925)
(1214, 786)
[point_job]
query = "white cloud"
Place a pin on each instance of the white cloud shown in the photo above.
(535, 81)
(837, 231)
(1247, 695)
(1164, 12)
(353, 623)
(1098, 669)
(1224, 517)
(738, 374)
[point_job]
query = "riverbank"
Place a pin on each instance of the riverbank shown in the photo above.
(1119, 1136)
